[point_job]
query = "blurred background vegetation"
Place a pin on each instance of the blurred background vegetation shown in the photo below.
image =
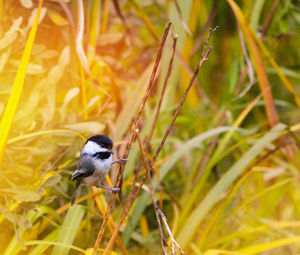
(225, 182)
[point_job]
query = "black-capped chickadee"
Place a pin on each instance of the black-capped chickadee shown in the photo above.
(94, 163)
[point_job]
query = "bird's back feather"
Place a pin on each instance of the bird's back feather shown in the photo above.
(85, 168)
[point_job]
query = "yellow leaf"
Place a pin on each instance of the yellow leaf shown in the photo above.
(26, 3)
(91, 127)
(257, 249)
(258, 64)
(3, 59)
(57, 18)
(11, 34)
(10, 109)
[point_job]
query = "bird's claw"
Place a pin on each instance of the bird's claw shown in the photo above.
(120, 161)
(115, 190)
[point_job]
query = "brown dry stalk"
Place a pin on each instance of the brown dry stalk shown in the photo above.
(249, 67)
(148, 139)
(258, 64)
(208, 152)
(134, 192)
(67, 11)
(208, 23)
(148, 174)
(158, 212)
(269, 19)
(242, 78)
(199, 90)
(132, 137)
(202, 60)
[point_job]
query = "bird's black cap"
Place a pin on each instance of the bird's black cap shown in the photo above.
(102, 140)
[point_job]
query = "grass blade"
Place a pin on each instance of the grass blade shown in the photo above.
(255, 249)
(44, 244)
(16, 91)
(215, 193)
(258, 64)
(68, 230)
(257, 9)
(61, 245)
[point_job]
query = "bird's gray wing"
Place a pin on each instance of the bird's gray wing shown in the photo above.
(85, 168)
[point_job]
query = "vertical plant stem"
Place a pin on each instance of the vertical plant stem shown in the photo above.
(175, 37)
(10, 109)
(105, 17)
(269, 19)
(156, 208)
(131, 139)
(83, 91)
(133, 193)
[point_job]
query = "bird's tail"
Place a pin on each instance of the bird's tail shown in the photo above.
(75, 193)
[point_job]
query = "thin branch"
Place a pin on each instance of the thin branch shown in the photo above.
(173, 241)
(119, 12)
(134, 193)
(148, 173)
(200, 91)
(206, 155)
(242, 78)
(69, 14)
(208, 23)
(131, 138)
(269, 19)
(175, 37)
(250, 70)
(202, 60)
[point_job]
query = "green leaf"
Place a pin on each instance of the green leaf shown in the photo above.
(256, 249)
(68, 230)
(214, 195)
(256, 12)
(28, 196)
(9, 113)
(44, 244)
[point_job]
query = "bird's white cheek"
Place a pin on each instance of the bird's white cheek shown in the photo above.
(104, 165)
(91, 148)
(107, 163)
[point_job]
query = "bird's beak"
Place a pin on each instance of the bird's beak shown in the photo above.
(112, 152)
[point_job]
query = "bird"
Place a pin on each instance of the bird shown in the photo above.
(94, 164)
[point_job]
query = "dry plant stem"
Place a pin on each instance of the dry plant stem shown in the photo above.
(119, 12)
(208, 153)
(173, 241)
(208, 23)
(133, 195)
(131, 138)
(79, 38)
(250, 70)
(202, 60)
(269, 19)
(67, 11)
(200, 91)
(128, 204)
(241, 81)
(148, 173)
(175, 37)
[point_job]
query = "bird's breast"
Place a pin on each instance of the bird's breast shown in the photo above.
(101, 170)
